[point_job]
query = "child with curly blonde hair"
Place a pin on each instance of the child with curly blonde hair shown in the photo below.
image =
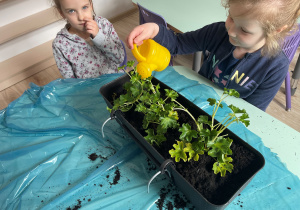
(242, 53)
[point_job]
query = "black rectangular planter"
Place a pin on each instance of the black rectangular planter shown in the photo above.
(198, 200)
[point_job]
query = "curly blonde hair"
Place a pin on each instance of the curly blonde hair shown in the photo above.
(278, 19)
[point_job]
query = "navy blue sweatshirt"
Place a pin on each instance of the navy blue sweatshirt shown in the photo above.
(255, 77)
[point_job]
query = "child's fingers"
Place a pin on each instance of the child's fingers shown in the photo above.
(142, 32)
(89, 25)
(92, 28)
(136, 36)
(130, 43)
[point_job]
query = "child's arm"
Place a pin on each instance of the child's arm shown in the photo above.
(181, 43)
(108, 41)
(63, 65)
(141, 33)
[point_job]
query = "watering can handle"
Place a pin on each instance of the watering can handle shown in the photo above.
(137, 54)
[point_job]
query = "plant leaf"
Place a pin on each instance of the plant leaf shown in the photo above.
(243, 119)
(194, 149)
(187, 134)
(178, 153)
(219, 148)
(135, 90)
(155, 108)
(173, 114)
(204, 119)
(108, 109)
(130, 63)
(211, 101)
(141, 108)
(209, 135)
(231, 92)
(121, 67)
(152, 138)
(222, 168)
(161, 130)
(171, 94)
(168, 122)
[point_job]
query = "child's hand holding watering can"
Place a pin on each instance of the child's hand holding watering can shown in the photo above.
(151, 57)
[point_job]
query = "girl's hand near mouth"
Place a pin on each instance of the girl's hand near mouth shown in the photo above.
(91, 27)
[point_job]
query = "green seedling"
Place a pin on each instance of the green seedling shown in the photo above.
(162, 110)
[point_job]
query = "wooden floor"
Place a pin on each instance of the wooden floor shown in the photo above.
(123, 27)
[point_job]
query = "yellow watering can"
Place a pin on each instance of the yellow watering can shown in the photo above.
(151, 57)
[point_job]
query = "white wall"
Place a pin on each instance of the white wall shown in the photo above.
(13, 10)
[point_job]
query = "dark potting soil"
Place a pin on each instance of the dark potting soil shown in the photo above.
(179, 201)
(77, 206)
(117, 177)
(216, 189)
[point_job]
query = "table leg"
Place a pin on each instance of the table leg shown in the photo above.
(295, 77)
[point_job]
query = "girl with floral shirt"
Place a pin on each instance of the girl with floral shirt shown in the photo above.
(86, 47)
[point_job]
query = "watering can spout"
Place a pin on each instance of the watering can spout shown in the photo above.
(151, 57)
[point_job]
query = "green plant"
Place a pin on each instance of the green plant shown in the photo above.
(210, 140)
(161, 113)
(147, 99)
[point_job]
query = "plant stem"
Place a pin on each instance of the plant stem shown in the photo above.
(216, 108)
(184, 109)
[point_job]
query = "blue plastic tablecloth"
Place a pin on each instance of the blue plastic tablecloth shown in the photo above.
(53, 155)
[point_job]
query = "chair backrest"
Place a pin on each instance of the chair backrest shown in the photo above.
(147, 16)
(291, 44)
(125, 57)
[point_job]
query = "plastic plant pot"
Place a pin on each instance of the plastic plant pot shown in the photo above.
(232, 184)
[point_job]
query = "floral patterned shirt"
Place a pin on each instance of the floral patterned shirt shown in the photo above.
(79, 58)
